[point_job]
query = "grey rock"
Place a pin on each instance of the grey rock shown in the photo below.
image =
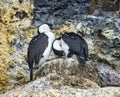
(21, 14)
(108, 76)
(66, 8)
(44, 87)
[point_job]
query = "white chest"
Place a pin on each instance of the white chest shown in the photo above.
(57, 45)
(65, 47)
(47, 51)
(50, 41)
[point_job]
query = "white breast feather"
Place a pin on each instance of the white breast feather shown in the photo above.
(57, 45)
(47, 52)
(65, 47)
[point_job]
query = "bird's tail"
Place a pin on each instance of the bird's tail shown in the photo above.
(81, 60)
(30, 63)
(31, 74)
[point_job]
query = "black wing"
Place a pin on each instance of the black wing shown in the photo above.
(36, 48)
(77, 45)
(82, 41)
(85, 47)
(73, 41)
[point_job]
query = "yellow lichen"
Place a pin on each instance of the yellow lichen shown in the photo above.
(65, 28)
(9, 28)
(4, 60)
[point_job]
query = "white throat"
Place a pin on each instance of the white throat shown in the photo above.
(46, 30)
(57, 45)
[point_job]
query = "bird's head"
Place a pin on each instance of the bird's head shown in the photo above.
(57, 47)
(45, 28)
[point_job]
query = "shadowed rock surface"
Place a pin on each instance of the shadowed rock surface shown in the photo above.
(58, 11)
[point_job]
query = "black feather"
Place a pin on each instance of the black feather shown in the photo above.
(36, 49)
(31, 74)
(77, 45)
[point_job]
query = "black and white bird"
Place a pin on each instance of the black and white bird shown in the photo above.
(57, 48)
(40, 48)
(73, 45)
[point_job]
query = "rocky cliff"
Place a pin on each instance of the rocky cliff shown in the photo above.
(19, 20)
(15, 33)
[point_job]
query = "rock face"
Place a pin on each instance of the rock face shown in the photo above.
(108, 76)
(106, 5)
(44, 87)
(15, 33)
(58, 11)
(57, 78)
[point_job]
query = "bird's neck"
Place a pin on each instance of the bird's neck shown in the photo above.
(50, 35)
